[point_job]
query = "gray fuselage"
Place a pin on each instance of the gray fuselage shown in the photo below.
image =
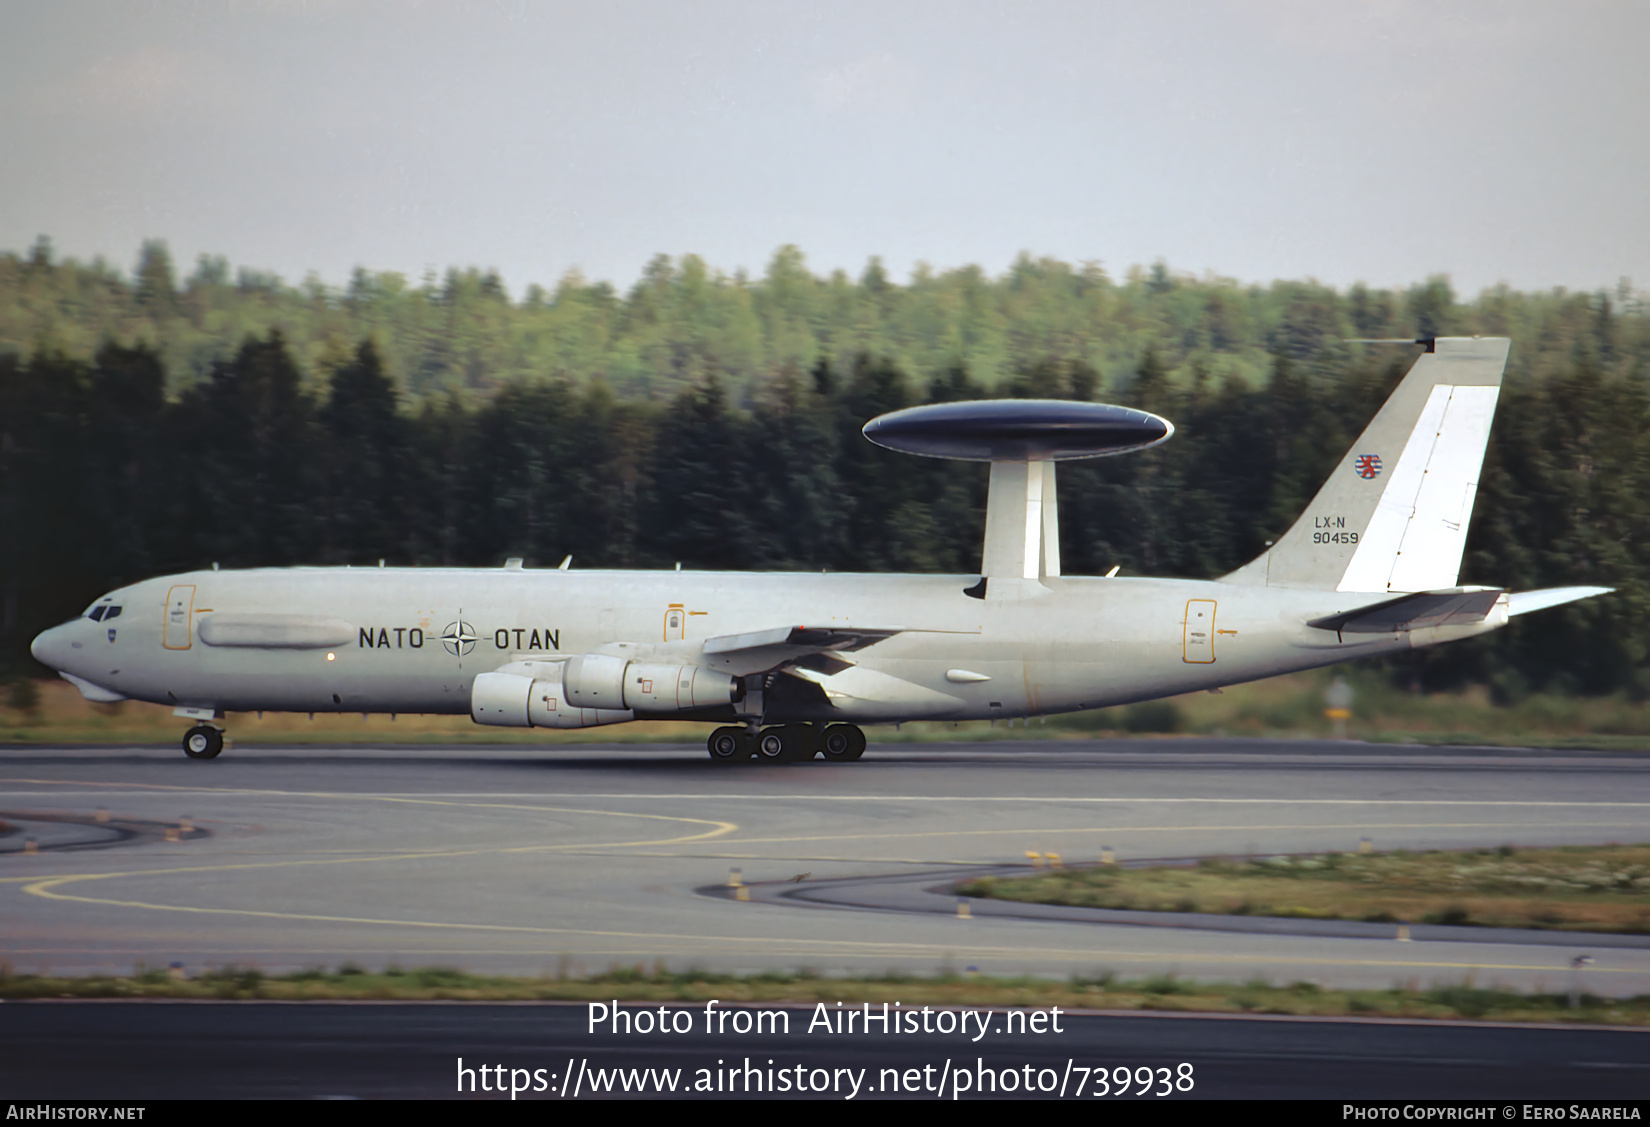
(413, 640)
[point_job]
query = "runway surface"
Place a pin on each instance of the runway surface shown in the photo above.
(572, 860)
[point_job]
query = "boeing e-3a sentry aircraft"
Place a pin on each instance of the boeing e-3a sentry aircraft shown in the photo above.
(791, 664)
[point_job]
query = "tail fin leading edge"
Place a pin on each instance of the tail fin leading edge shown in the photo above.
(1393, 515)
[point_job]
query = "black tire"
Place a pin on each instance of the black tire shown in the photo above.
(772, 746)
(202, 742)
(801, 742)
(728, 745)
(842, 743)
(859, 742)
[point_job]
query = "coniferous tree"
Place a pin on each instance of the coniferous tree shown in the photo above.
(157, 289)
(364, 439)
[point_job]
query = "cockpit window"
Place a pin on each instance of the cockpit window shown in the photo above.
(114, 612)
(102, 613)
(97, 614)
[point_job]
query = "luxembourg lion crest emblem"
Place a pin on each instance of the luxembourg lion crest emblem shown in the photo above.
(1367, 465)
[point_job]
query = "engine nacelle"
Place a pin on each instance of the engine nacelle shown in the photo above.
(521, 700)
(592, 689)
(600, 681)
(676, 688)
(595, 680)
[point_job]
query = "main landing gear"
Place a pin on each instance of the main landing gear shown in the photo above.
(203, 741)
(786, 743)
(841, 743)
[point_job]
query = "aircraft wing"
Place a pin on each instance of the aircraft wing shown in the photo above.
(762, 650)
(1459, 606)
(870, 693)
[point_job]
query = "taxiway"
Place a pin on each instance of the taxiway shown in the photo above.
(571, 860)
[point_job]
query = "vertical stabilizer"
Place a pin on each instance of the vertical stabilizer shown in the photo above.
(1393, 515)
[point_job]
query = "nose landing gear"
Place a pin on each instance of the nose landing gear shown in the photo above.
(203, 741)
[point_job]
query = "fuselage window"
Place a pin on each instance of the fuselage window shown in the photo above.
(97, 614)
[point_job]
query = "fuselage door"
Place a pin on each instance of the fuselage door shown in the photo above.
(1198, 643)
(675, 623)
(180, 617)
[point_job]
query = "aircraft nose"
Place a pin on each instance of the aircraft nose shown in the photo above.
(51, 647)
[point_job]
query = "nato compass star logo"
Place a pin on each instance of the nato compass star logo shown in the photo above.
(459, 638)
(1367, 465)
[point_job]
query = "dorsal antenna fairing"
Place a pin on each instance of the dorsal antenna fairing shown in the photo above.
(1022, 439)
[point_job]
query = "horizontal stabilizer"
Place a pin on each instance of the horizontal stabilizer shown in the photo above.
(1523, 602)
(1460, 607)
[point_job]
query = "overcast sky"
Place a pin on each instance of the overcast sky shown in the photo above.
(1382, 141)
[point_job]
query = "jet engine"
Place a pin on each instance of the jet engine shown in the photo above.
(592, 689)
(600, 681)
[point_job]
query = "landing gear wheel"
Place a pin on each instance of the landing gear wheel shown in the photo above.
(728, 745)
(842, 743)
(787, 743)
(803, 740)
(773, 747)
(202, 742)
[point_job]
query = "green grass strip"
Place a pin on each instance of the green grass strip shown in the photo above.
(1564, 888)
